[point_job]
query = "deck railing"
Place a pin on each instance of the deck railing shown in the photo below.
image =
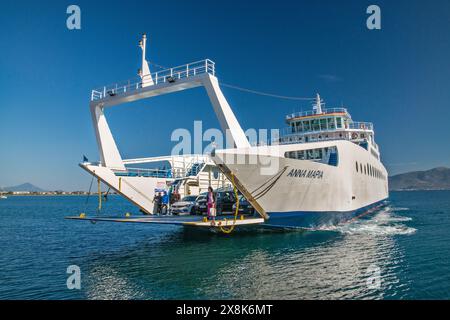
(314, 113)
(165, 76)
(289, 132)
(362, 126)
(140, 172)
(192, 170)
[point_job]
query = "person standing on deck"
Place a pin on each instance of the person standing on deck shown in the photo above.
(165, 203)
(157, 204)
(211, 201)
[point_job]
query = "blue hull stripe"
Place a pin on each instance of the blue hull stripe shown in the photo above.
(312, 220)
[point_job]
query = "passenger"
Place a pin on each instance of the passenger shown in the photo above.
(157, 203)
(174, 197)
(211, 201)
(164, 202)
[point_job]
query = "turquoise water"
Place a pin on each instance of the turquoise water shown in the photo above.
(409, 243)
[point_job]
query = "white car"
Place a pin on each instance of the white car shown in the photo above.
(184, 207)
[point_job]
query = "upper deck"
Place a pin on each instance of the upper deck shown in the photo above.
(327, 124)
(162, 78)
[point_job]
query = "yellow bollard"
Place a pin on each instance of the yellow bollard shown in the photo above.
(205, 219)
(127, 214)
(242, 217)
(82, 215)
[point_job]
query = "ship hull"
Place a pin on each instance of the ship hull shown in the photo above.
(303, 193)
(315, 220)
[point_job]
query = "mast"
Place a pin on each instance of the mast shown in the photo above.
(144, 72)
(317, 107)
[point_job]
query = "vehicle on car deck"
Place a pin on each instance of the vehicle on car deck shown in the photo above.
(185, 206)
(244, 206)
(224, 202)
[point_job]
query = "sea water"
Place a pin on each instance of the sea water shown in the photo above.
(400, 252)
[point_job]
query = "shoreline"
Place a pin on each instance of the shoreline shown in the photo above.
(53, 195)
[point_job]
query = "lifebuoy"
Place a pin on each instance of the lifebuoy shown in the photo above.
(354, 135)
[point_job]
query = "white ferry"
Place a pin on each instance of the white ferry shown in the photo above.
(324, 168)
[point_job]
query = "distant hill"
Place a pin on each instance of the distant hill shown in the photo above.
(22, 187)
(434, 179)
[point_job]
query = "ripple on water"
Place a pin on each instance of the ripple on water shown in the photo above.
(146, 262)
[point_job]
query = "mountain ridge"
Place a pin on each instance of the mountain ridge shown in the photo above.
(27, 187)
(433, 179)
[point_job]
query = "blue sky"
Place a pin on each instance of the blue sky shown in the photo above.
(396, 77)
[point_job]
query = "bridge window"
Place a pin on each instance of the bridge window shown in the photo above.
(323, 124)
(331, 124)
(315, 125)
(306, 125)
(338, 122)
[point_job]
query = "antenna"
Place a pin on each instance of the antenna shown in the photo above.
(144, 72)
(317, 107)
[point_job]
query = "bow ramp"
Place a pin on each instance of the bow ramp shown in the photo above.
(187, 221)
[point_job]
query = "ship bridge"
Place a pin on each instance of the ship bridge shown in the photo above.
(322, 124)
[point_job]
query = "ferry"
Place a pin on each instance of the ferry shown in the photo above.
(326, 169)
(323, 169)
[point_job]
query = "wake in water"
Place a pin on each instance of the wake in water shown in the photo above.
(384, 222)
